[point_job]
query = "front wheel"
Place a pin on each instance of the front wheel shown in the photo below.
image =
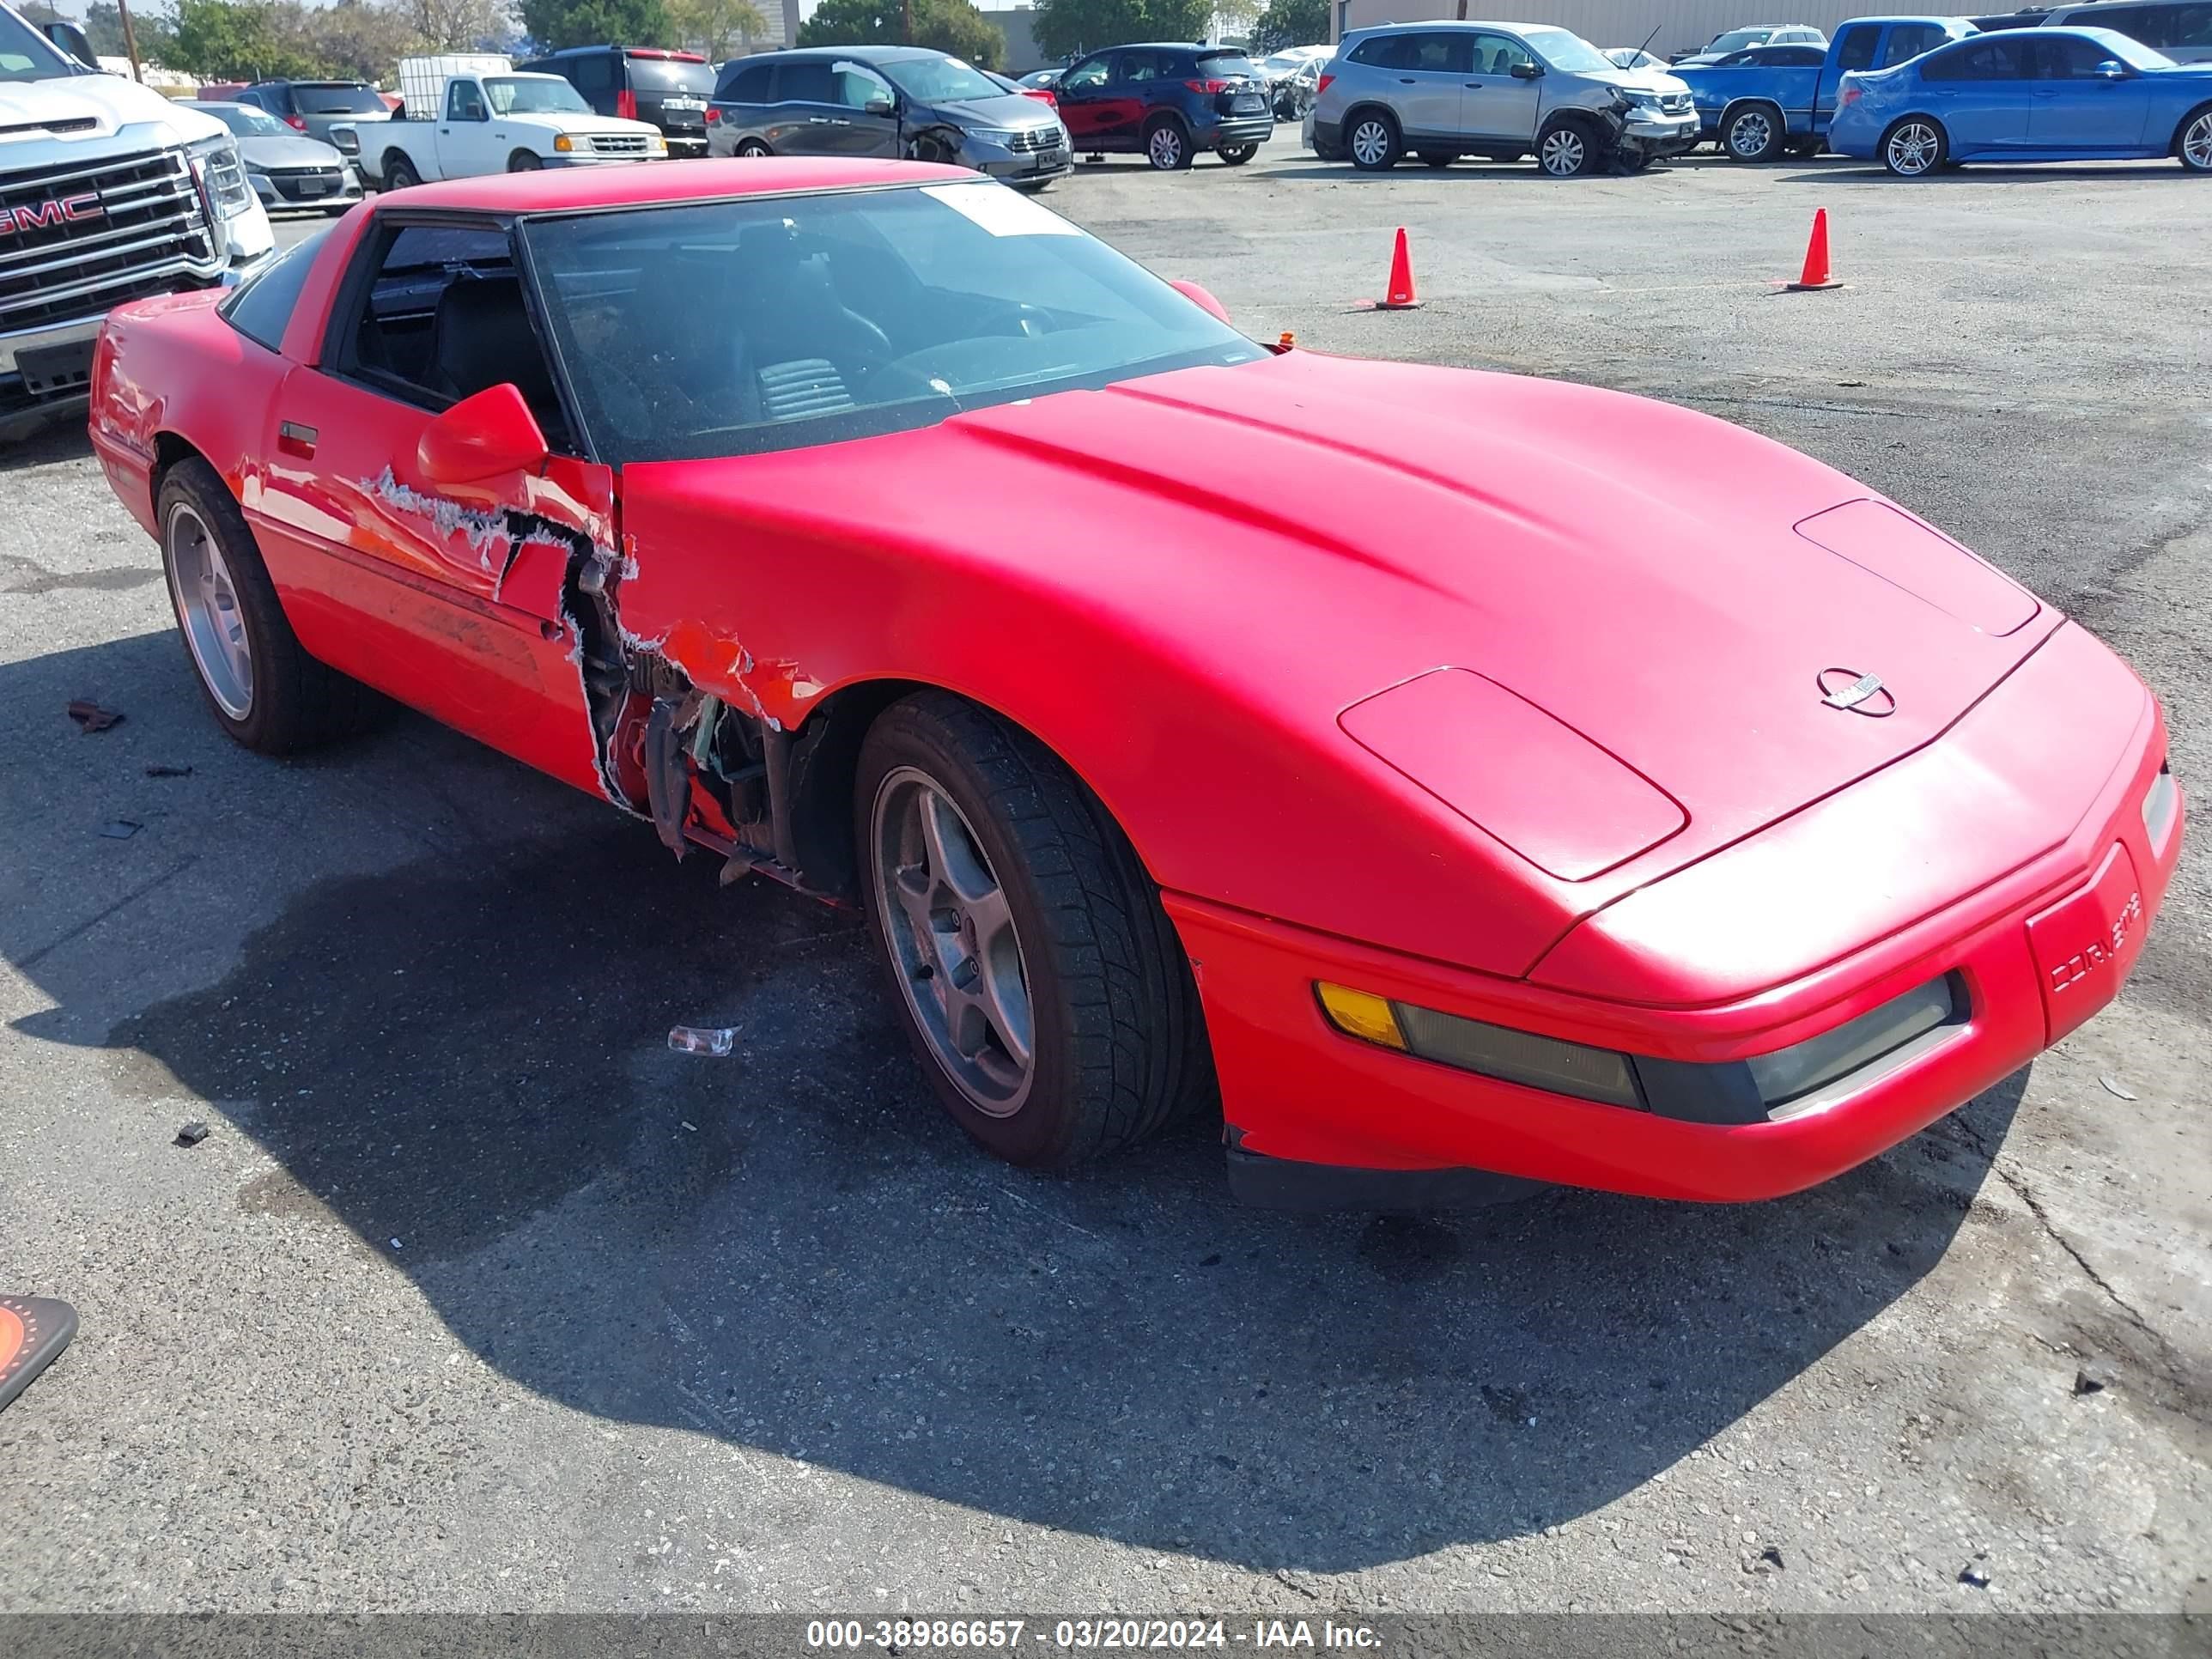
(1237, 155)
(1039, 980)
(1167, 147)
(2193, 143)
(1566, 151)
(1373, 144)
(1914, 148)
(524, 161)
(1753, 135)
(753, 147)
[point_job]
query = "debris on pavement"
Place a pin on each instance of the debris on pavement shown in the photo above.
(1772, 1557)
(2120, 1089)
(91, 716)
(120, 829)
(701, 1040)
(2093, 1378)
(163, 769)
(1974, 1578)
(191, 1133)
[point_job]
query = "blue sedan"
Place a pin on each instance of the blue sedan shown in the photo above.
(2037, 94)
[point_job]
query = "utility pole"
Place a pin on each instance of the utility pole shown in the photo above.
(907, 10)
(130, 40)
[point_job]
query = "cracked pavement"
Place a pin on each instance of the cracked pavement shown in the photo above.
(477, 1298)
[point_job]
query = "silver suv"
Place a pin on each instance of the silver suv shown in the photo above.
(1499, 90)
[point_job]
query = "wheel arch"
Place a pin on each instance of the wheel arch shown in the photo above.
(1735, 106)
(2188, 120)
(169, 449)
(1372, 106)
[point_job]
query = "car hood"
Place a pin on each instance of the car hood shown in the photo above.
(1638, 80)
(267, 150)
(27, 108)
(564, 121)
(1015, 111)
(1679, 592)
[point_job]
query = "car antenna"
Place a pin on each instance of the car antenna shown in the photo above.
(1649, 38)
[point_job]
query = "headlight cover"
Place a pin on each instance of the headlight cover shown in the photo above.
(221, 175)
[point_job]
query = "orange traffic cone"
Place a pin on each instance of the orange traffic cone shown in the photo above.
(1400, 296)
(1815, 275)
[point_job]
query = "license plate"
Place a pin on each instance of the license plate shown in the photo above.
(55, 368)
(317, 186)
(1249, 103)
(2084, 945)
(683, 103)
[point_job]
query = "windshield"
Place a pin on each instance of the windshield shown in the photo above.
(533, 95)
(1737, 39)
(246, 121)
(336, 100)
(1568, 53)
(671, 75)
(28, 55)
(738, 328)
(939, 81)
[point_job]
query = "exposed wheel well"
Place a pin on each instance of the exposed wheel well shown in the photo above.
(168, 450)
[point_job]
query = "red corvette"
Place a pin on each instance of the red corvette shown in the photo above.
(1578, 789)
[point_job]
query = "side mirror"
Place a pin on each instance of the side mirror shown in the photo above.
(1201, 297)
(2113, 69)
(1525, 72)
(482, 437)
(73, 40)
(881, 106)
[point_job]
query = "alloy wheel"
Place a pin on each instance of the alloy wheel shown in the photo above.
(1165, 148)
(952, 940)
(1749, 136)
(1912, 148)
(1564, 153)
(207, 604)
(1370, 142)
(2197, 143)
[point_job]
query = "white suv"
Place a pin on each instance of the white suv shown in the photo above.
(1500, 90)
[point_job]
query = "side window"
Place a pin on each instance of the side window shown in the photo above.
(261, 309)
(858, 88)
(2191, 27)
(1090, 72)
(1139, 66)
(1909, 40)
(2060, 58)
(1997, 59)
(465, 102)
(1855, 46)
(1497, 54)
(443, 317)
(1389, 51)
(806, 81)
(745, 83)
(593, 74)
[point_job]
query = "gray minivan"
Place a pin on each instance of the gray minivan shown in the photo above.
(885, 100)
(2182, 30)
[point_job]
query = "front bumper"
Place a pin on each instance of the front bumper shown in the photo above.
(1660, 135)
(2039, 948)
(1016, 166)
(1324, 138)
(281, 192)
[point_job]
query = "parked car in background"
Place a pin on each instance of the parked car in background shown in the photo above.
(1499, 90)
(1007, 84)
(1758, 35)
(286, 169)
(905, 101)
(1295, 93)
(502, 122)
(314, 108)
(2183, 32)
(1760, 108)
(669, 89)
(1037, 79)
(2026, 19)
(2039, 95)
(1633, 57)
(1167, 103)
(1278, 67)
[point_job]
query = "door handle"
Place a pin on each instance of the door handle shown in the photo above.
(1405, 80)
(296, 440)
(818, 120)
(2046, 92)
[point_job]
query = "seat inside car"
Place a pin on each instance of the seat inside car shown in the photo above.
(481, 335)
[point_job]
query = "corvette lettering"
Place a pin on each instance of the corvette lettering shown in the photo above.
(54, 210)
(2097, 953)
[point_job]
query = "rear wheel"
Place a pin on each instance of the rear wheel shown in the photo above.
(1752, 133)
(1566, 150)
(1237, 155)
(1371, 140)
(1039, 979)
(524, 161)
(1914, 148)
(263, 688)
(2193, 142)
(753, 147)
(1167, 146)
(399, 173)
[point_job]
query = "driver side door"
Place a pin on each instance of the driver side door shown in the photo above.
(864, 132)
(1083, 97)
(464, 133)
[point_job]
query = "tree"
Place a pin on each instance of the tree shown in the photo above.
(715, 26)
(950, 25)
(231, 40)
(459, 25)
(1063, 28)
(353, 41)
(103, 27)
(553, 24)
(1291, 23)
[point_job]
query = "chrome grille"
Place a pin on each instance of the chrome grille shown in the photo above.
(1027, 140)
(618, 143)
(150, 236)
(1675, 103)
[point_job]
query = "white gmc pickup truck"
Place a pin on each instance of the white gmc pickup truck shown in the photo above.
(108, 192)
(493, 120)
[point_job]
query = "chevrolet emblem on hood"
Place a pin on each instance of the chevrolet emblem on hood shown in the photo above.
(1864, 694)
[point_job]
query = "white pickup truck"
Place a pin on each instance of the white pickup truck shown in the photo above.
(108, 192)
(475, 116)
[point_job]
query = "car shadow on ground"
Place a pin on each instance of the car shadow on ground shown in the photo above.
(459, 1058)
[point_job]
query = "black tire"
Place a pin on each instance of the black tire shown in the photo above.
(1915, 145)
(1372, 139)
(1568, 148)
(752, 147)
(1166, 144)
(524, 160)
(294, 701)
(1438, 159)
(1119, 1044)
(398, 171)
(2192, 140)
(1037, 189)
(1237, 155)
(1753, 133)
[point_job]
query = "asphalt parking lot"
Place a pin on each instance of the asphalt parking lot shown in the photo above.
(478, 1297)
